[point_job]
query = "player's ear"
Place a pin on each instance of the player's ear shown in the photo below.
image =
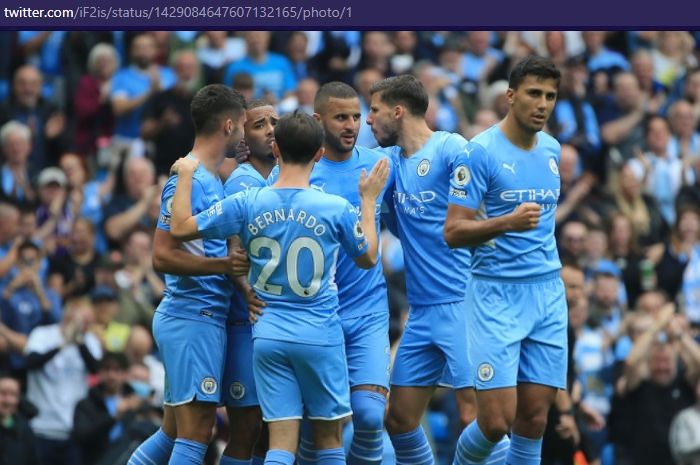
(317, 117)
(399, 111)
(276, 151)
(509, 95)
(319, 154)
(228, 126)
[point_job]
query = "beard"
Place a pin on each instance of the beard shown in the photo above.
(336, 144)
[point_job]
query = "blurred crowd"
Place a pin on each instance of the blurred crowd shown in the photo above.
(90, 123)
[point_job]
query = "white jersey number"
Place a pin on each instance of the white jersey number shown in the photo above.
(293, 252)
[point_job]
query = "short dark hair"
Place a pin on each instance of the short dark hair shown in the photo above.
(533, 65)
(111, 359)
(257, 103)
(213, 103)
(299, 136)
(403, 90)
(334, 89)
(28, 245)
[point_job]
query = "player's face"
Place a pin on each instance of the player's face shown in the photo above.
(236, 134)
(532, 102)
(385, 126)
(341, 121)
(260, 131)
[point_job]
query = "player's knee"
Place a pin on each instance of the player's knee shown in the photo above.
(494, 427)
(398, 422)
(327, 434)
(368, 410)
(532, 423)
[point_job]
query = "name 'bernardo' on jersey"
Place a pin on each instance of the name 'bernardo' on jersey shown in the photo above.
(267, 218)
(547, 198)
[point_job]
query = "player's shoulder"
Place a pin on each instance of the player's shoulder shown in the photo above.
(325, 202)
(372, 155)
(548, 142)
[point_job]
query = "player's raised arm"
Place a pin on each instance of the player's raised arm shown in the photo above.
(370, 187)
(183, 225)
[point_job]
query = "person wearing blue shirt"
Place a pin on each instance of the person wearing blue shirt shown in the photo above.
(362, 296)
(293, 234)
(133, 86)
(273, 76)
(189, 324)
(433, 348)
(517, 309)
(239, 390)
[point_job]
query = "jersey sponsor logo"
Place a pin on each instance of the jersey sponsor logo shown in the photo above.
(462, 176)
(413, 204)
(423, 167)
(165, 219)
(545, 196)
(208, 385)
(485, 372)
(510, 167)
(236, 390)
(553, 166)
(215, 210)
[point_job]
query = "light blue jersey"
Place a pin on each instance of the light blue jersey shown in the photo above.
(360, 292)
(202, 298)
(435, 274)
(497, 176)
(244, 177)
(292, 237)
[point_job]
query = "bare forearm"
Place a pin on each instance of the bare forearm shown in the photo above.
(470, 233)
(119, 224)
(122, 106)
(17, 341)
(614, 131)
(181, 263)
(369, 225)
(182, 208)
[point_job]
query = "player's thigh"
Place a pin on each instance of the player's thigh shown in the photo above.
(367, 350)
(238, 382)
(450, 336)
(496, 411)
(544, 353)
(495, 332)
(277, 385)
(193, 358)
(323, 377)
(418, 362)
(466, 405)
(406, 407)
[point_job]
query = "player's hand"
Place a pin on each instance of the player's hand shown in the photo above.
(371, 186)
(184, 165)
(594, 420)
(242, 152)
(240, 265)
(255, 305)
(525, 217)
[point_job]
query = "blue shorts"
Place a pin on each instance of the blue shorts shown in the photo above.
(238, 381)
(518, 332)
(433, 348)
(193, 358)
(296, 380)
(367, 349)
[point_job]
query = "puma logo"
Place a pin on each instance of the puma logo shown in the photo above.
(511, 168)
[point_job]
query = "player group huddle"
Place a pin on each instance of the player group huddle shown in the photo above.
(300, 342)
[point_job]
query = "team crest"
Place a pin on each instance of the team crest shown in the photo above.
(237, 390)
(359, 232)
(423, 168)
(462, 176)
(553, 166)
(485, 372)
(208, 385)
(169, 205)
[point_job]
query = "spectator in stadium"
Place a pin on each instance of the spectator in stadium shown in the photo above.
(94, 119)
(364, 80)
(685, 143)
(26, 303)
(128, 210)
(689, 225)
(296, 51)
(105, 415)
(481, 58)
(17, 441)
(272, 73)
(626, 197)
(166, 117)
(643, 68)
(59, 358)
(377, 51)
(653, 389)
(112, 334)
(684, 441)
(303, 99)
(599, 57)
(484, 118)
(16, 144)
(671, 56)
(133, 86)
(621, 116)
(74, 273)
(140, 287)
(624, 251)
(9, 240)
(605, 309)
(46, 122)
(55, 216)
(139, 350)
(572, 241)
(216, 52)
(575, 187)
(691, 90)
(672, 256)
